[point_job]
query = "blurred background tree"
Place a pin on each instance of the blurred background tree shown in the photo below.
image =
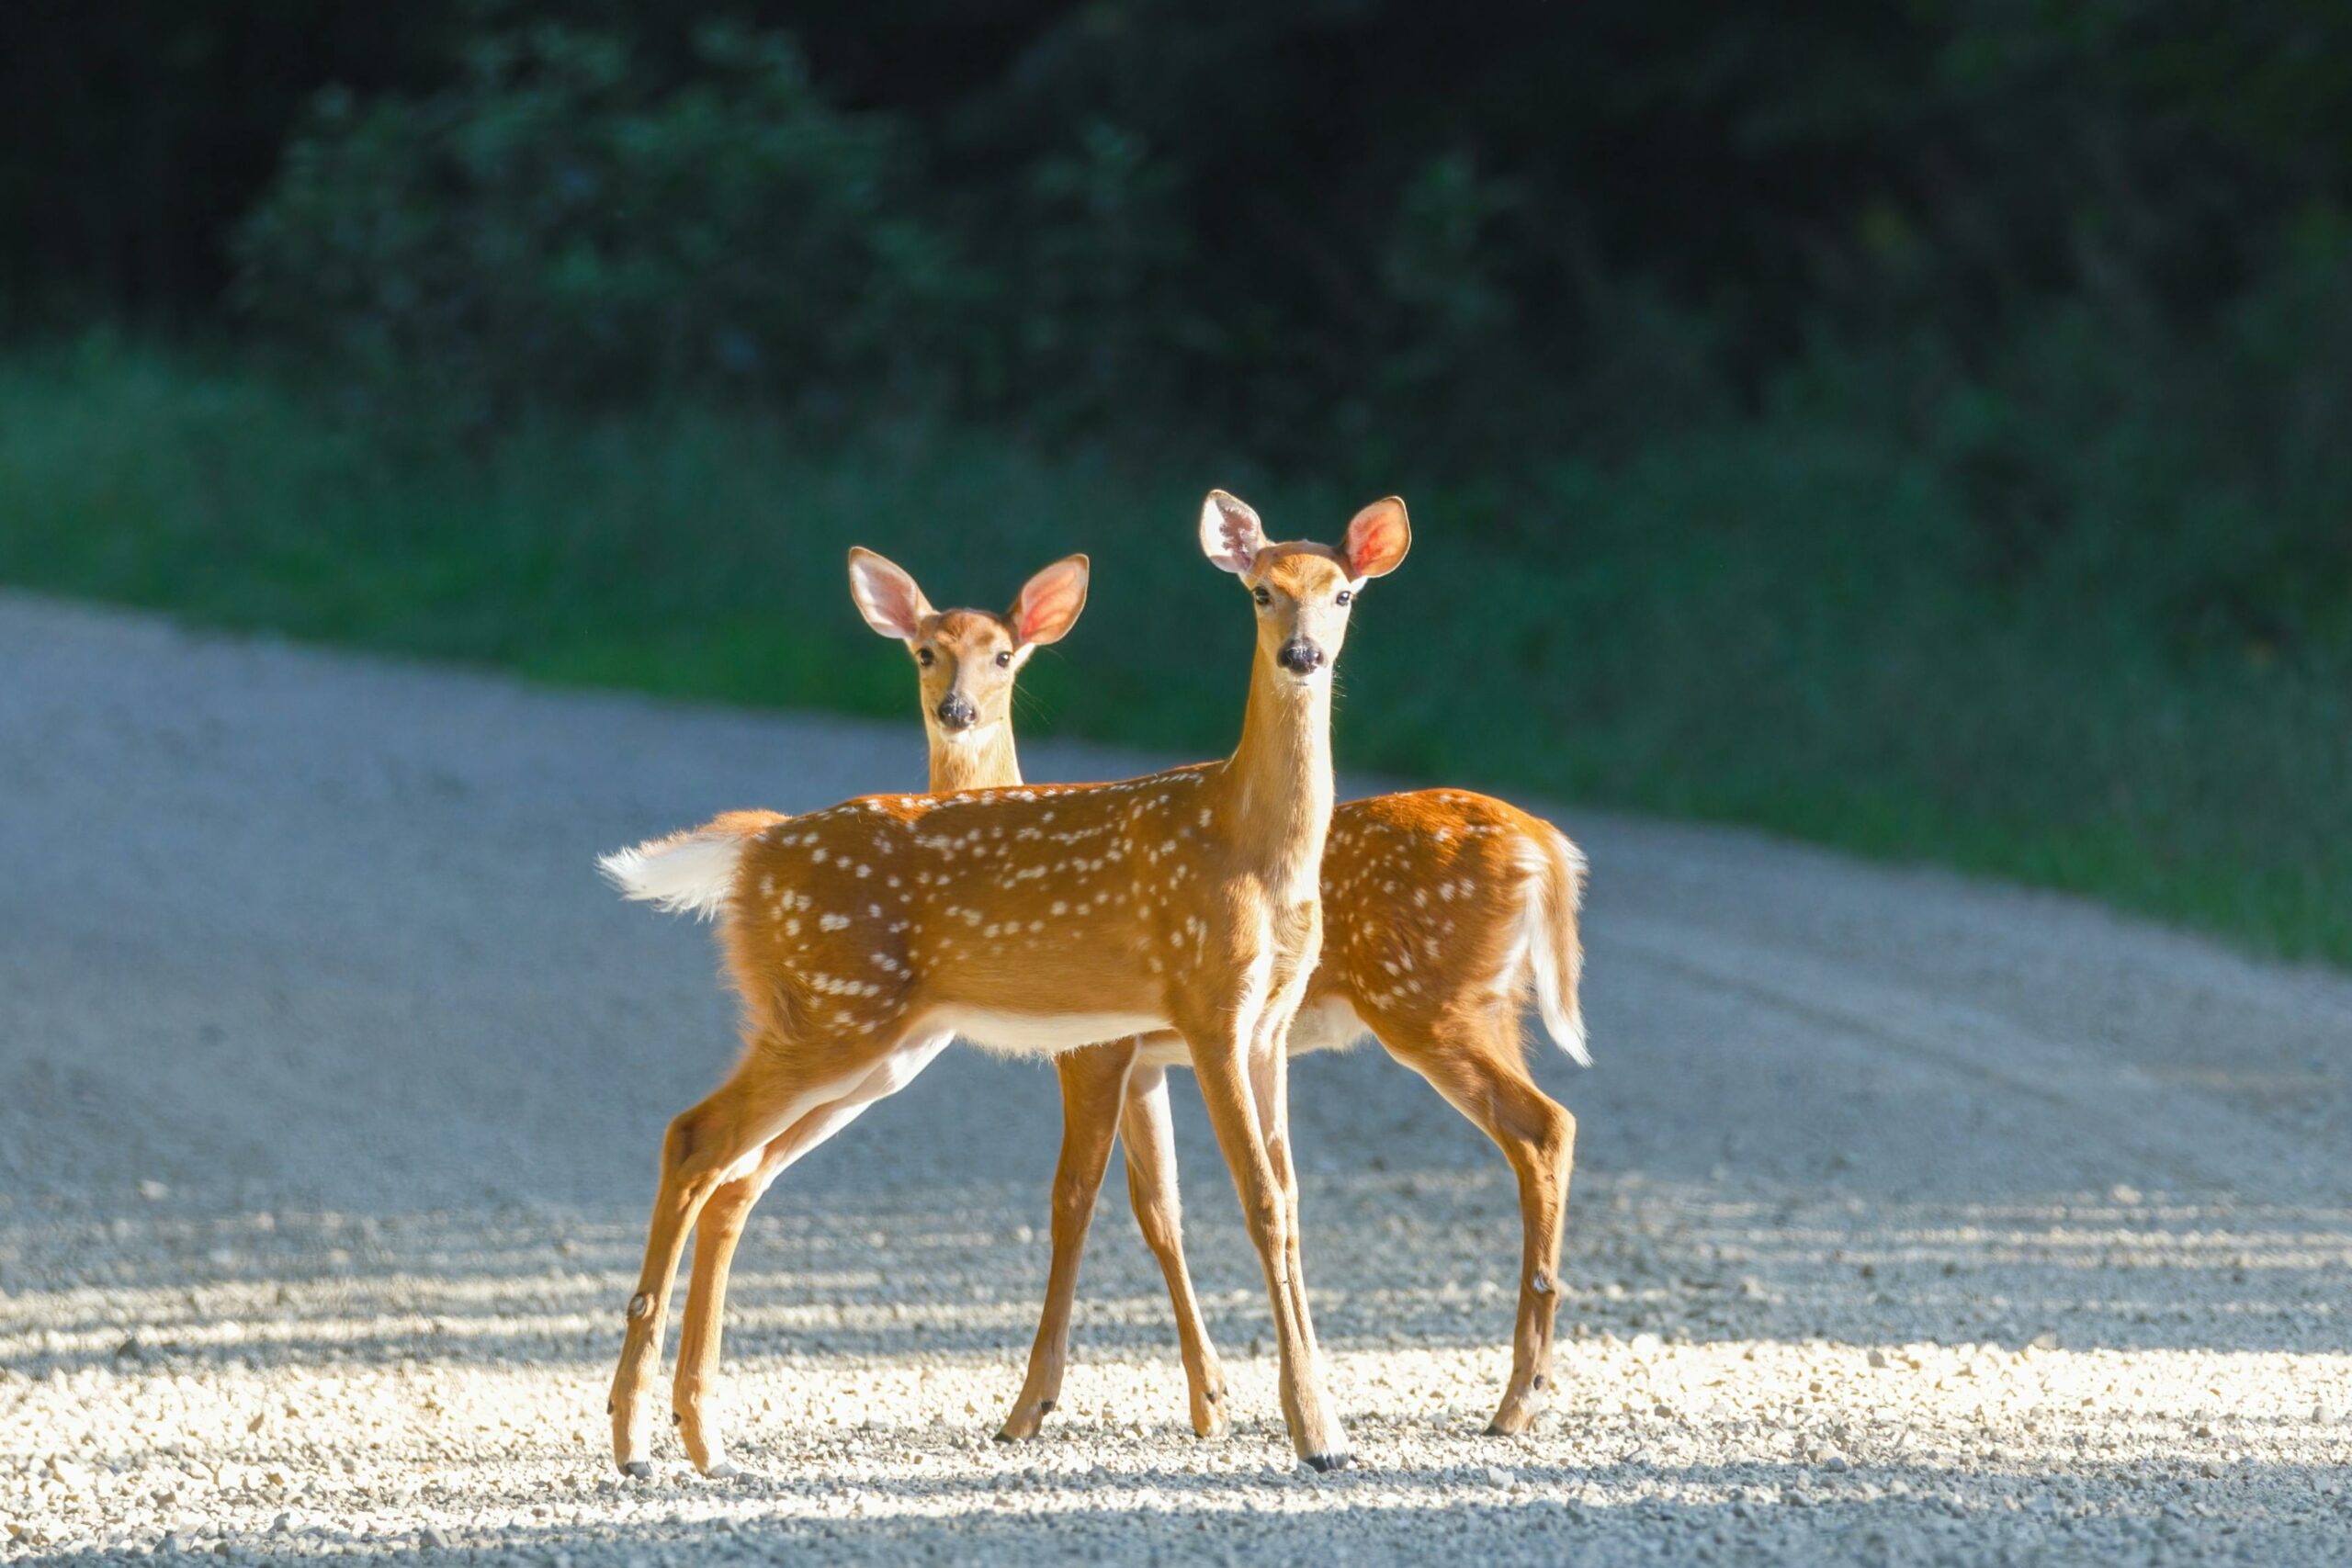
(1568, 222)
(566, 225)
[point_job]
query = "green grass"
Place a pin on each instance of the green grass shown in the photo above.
(1779, 624)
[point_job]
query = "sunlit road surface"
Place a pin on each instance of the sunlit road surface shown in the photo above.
(1914, 1221)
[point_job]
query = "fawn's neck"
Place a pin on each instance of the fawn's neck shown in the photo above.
(981, 760)
(1278, 781)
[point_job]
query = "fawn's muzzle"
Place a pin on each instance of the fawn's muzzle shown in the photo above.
(958, 712)
(1300, 656)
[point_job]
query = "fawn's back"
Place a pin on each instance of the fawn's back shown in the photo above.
(1037, 917)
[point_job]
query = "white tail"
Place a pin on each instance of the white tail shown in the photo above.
(1554, 951)
(689, 873)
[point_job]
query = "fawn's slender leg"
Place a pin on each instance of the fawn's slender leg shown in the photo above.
(721, 1226)
(1094, 1081)
(718, 1230)
(1147, 1134)
(1477, 1067)
(765, 1094)
(1221, 1060)
(1269, 1088)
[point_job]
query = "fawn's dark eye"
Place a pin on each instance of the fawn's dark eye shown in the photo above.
(1343, 597)
(925, 658)
(1004, 659)
(1263, 597)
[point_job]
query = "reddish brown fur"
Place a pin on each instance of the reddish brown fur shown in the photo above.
(861, 937)
(927, 902)
(1387, 864)
(1423, 897)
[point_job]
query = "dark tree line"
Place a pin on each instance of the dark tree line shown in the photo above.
(1319, 212)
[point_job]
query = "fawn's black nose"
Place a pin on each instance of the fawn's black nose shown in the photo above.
(958, 712)
(1300, 656)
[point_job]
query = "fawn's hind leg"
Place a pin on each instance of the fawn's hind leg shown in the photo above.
(1478, 1065)
(721, 1226)
(707, 1145)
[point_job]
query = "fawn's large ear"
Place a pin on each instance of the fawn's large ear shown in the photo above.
(1377, 539)
(1050, 602)
(1231, 536)
(886, 595)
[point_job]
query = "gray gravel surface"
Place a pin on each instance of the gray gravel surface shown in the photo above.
(1914, 1220)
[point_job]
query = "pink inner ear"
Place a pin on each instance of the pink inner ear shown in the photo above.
(1047, 606)
(1242, 543)
(894, 597)
(1374, 544)
(1231, 535)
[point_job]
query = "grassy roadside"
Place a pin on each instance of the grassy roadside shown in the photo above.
(1777, 625)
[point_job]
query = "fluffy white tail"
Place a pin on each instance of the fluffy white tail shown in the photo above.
(1554, 951)
(688, 872)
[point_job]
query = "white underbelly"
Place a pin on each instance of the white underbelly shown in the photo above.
(1326, 1026)
(1331, 1025)
(1044, 1034)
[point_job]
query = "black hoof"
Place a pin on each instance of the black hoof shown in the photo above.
(638, 1470)
(1004, 1435)
(1495, 1429)
(1328, 1462)
(722, 1471)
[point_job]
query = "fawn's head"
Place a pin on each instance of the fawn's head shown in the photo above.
(1303, 590)
(966, 660)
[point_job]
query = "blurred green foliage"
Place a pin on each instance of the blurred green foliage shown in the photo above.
(1783, 621)
(553, 228)
(1916, 426)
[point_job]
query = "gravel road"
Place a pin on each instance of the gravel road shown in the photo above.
(1914, 1220)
